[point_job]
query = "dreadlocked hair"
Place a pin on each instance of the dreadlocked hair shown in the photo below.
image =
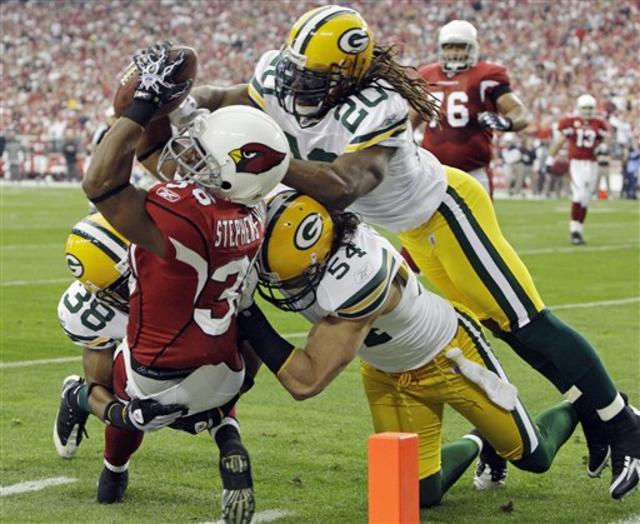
(404, 80)
(345, 224)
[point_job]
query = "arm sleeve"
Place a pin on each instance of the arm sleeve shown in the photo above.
(565, 127)
(494, 83)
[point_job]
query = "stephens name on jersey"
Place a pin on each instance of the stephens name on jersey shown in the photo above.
(457, 140)
(584, 135)
(183, 307)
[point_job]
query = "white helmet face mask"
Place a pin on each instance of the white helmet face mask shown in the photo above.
(464, 37)
(586, 105)
(238, 153)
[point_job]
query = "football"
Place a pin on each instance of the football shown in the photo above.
(128, 81)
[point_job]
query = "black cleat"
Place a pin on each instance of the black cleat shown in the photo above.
(597, 442)
(491, 472)
(238, 502)
(624, 438)
(576, 239)
(69, 426)
(111, 486)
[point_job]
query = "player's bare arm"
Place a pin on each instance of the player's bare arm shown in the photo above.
(556, 145)
(212, 97)
(107, 181)
(107, 185)
(331, 345)
(338, 184)
(510, 106)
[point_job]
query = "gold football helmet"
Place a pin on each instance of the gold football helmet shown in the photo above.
(329, 50)
(96, 255)
(298, 243)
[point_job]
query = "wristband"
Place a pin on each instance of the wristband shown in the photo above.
(143, 156)
(140, 111)
(254, 327)
(114, 415)
(109, 193)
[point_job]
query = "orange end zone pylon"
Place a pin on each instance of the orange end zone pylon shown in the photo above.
(393, 479)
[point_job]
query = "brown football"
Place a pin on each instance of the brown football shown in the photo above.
(128, 82)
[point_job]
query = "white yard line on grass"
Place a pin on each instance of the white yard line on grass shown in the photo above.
(580, 305)
(633, 519)
(303, 334)
(34, 485)
(61, 360)
(576, 249)
(9, 283)
(16, 247)
(29, 363)
(268, 515)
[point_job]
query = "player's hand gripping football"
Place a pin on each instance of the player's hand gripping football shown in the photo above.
(492, 120)
(157, 86)
(156, 73)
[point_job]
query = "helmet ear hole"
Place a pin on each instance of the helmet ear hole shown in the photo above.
(226, 185)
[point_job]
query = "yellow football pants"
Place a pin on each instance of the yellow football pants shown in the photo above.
(461, 250)
(413, 401)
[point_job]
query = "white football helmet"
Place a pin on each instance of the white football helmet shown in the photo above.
(457, 60)
(586, 106)
(238, 153)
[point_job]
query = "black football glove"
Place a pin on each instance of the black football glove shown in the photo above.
(198, 422)
(156, 86)
(143, 414)
(492, 120)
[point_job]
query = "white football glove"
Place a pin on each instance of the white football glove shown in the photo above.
(495, 121)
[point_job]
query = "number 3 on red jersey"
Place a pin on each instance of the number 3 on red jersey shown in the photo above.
(237, 268)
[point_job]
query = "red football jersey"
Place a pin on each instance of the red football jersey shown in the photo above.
(457, 140)
(183, 307)
(584, 135)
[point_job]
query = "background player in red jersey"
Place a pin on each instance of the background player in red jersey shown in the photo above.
(193, 243)
(476, 100)
(584, 132)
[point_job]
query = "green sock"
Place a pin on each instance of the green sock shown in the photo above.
(572, 355)
(456, 458)
(555, 426)
(83, 399)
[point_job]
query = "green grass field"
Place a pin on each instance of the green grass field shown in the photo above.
(309, 459)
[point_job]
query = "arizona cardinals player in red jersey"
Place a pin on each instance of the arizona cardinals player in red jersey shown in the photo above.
(585, 132)
(476, 100)
(194, 242)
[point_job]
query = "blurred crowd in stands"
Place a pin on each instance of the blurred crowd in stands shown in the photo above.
(60, 60)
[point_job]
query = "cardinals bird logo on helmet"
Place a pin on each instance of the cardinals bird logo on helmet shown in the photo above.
(256, 158)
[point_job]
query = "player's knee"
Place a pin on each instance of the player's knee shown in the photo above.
(536, 462)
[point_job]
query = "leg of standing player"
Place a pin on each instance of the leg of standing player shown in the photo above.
(463, 252)
(583, 180)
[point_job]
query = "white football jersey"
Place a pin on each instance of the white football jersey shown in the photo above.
(414, 184)
(357, 282)
(90, 322)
